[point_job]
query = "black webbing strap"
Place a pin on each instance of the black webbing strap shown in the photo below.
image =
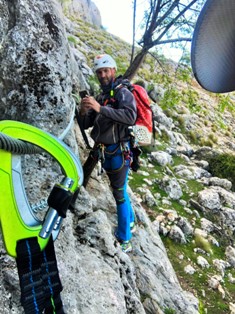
(88, 168)
(95, 155)
(29, 269)
(39, 278)
(51, 280)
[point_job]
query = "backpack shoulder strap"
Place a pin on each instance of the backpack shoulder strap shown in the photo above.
(123, 83)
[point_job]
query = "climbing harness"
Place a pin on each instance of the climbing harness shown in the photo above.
(27, 238)
(126, 152)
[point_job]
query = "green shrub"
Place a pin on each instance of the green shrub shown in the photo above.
(213, 138)
(145, 74)
(225, 103)
(202, 243)
(184, 74)
(169, 311)
(171, 98)
(206, 142)
(191, 99)
(181, 121)
(223, 166)
(193, 136)
(227, 133)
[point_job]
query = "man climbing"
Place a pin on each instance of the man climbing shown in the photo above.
(111, 115)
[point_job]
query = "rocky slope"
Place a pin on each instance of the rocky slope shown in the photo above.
(85, 10)
(45, 57)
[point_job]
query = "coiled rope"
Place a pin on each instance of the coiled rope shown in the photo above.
(16, 146)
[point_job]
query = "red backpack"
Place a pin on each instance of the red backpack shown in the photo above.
(143, 127)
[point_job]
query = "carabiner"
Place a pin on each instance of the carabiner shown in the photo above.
(17, 218)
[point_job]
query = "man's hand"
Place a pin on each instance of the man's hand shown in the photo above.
(87, 103)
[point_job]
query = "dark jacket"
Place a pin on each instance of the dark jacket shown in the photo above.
(110, 126)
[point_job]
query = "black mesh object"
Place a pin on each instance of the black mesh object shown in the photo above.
(213, 46)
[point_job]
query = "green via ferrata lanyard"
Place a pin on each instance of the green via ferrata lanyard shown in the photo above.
(18, 222)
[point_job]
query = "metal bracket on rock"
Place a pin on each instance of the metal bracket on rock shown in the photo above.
(17, 218)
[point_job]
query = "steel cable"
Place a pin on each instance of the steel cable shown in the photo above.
(17, 146)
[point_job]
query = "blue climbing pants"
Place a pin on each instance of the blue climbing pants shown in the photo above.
(117, 165)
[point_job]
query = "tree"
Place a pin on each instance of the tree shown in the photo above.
(166, 21)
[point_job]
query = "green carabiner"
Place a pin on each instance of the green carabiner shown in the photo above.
(16, 216)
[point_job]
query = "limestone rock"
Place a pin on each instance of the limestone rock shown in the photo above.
(224, 183)
(209, 199)
(177, 235)
(189, 270)
(172, 187)
(162, 158)
(230, 254)
(84, 9)
(201, 261)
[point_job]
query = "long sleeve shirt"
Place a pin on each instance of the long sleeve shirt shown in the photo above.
(111, 124)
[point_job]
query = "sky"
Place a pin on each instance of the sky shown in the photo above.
(117, 19)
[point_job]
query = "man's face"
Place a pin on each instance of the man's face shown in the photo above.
(105, 75)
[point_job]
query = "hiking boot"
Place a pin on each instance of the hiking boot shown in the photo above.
(126, 246)
(133, 227)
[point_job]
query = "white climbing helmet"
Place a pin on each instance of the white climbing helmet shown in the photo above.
(104, 61)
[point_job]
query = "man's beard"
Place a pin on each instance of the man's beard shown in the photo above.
(105, 82)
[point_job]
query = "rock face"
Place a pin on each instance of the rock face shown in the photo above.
(36, 70)
(86, 10)
(37, 75)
